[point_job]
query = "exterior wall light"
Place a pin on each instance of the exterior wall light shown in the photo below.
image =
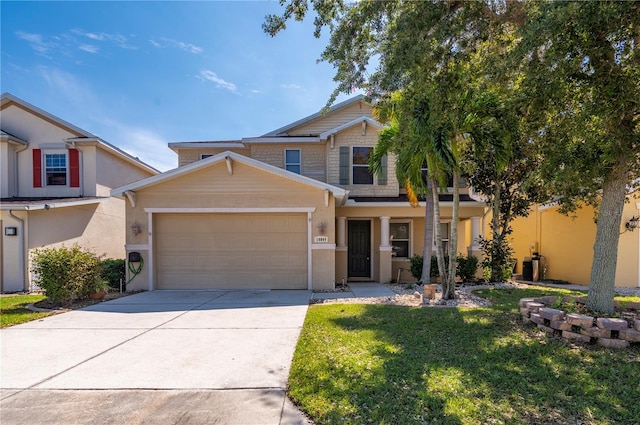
(11, 231)
(136, 228)
(632, 224)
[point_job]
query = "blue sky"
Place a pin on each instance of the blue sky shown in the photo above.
(142, 74)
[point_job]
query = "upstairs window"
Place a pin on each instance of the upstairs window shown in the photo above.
(361, 172)
(292, 160)
(205, 155)
(55, 169)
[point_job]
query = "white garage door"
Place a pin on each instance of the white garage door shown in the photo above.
(230, 251)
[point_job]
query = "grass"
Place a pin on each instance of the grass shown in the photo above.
(13, 311)
(381, 364)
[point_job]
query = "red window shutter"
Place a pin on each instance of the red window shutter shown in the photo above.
(37, 168)
(74, 168)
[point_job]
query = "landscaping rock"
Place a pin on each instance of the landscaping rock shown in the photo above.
(596, 332)
(551, 313)
(536, 318)
(630, 335)
(534, 306)
(524, 301)
(546, 328)
(546, 300)
(612, 324)
(636, 324)
(524, 312)
(613, 343)
(561, 325)
(575, 336)
(579, 320)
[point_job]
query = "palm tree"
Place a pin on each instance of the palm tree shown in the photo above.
(410, 154)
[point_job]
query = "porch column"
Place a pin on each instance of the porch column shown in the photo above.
(341, 250)
(476, 224)
(474, 247)
(341, 236)
(384, 267)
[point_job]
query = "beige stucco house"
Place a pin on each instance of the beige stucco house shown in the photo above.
(55, 183)
(294, 208)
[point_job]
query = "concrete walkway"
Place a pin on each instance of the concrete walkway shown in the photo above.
(179, 357)
(358, 290)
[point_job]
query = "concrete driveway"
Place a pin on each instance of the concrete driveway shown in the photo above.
(161, 357)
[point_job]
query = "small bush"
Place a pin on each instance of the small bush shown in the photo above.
(467, 268)
(416, 266)
(67, 274)
(112, 271)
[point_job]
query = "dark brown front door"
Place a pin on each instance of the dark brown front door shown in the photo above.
(359, 253)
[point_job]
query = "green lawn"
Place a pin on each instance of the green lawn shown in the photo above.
(13, 311)
(358, 364)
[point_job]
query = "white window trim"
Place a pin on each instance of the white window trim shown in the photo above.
(443, 238)
(410, 253)
(44, 153)
(353, 183)
(299, 164)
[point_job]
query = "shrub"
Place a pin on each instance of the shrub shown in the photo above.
(416, 266)
(67, 274)
(113, 270)
(467, 268)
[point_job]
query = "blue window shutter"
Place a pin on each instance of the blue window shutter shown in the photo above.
(382, 176)
(344, 165)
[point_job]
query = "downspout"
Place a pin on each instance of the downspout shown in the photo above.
(16, 179)
(21, 244)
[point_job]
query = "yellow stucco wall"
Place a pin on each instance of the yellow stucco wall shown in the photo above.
(566, 243)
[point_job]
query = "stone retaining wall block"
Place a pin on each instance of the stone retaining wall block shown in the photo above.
(536, 318)
(551, 313)
(549, 299)
(630, 335)
(579, 320)
(612, 324)
(560, 325)
(573, 335)
(534, 306)
(524, 301)
(596, 332)
(613, 343)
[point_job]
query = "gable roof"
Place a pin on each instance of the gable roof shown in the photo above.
(82, 136)
(371, 121)
(7, 98)
(280, 131)
(340, 194)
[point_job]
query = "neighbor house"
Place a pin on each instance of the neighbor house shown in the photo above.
(565, 243)
(294, 208)
(55, 183)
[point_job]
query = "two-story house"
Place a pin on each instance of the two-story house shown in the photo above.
(55, 183)
(296, 208)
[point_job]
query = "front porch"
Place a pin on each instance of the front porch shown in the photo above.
(374, 242)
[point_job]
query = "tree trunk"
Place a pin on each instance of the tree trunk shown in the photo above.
(442, 268)
(496, 264)
(605, 249)
(449, 288)
(428, 236)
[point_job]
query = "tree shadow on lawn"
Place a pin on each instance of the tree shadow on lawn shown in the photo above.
(463, 366)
